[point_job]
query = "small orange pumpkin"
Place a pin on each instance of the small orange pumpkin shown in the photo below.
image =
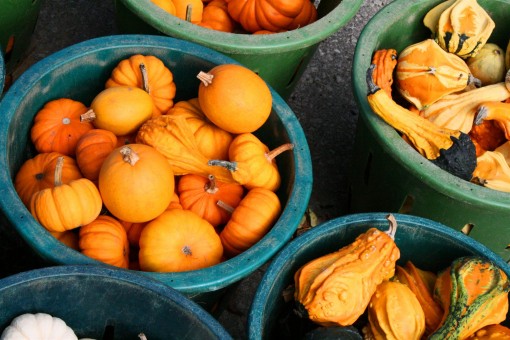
(92, 149)
(57, 126)
(70, 238)
(38, 173)
(66, 206)
(166, 5)
(216, 17)
(105, 240)
(136, 183)
(189, 10)
(201, 195)
(250, 221)
(151, 75)
(179, 240)
(234, 98)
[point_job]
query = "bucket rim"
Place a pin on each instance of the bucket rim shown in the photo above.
(441, 181)
(221, 275)
(233, 43)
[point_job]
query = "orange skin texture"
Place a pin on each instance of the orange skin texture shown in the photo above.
(216, 17)
(92, 149)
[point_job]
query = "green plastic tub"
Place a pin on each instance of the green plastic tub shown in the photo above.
(428, 244)
(80, 72)
(106, 303)
(278, 58)
(2, 73)
(17, 23)
(389, 175)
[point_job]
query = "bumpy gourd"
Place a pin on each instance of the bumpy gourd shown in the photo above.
(335, 289)
(451, 150)
(474, 293)
(385, 61)
(426, 73)
(492, 169)
(394, 312)
(496, 111)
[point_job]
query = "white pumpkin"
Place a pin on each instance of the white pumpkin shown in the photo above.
(39, 326)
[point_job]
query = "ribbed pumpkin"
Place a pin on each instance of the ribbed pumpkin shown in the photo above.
(201, 195)
(66, 206)
(215, 16)
(70, 238)
(189, 10)
(336, 288)
(91, 151)
(150, 74)
(250, 221)
(425, 73)
(212, 141)
(275, 16)
(136, 183)
(234, 98)
(57, 126)
(38, 173)
(166, 5)
(473, 292)
(179, 240)
(105, 240)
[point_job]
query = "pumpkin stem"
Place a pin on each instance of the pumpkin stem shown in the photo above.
(211, 187)
(128, 155)
(473, 80)
(58, 171)
(189, 10)
(88, 116)
(231, 166)
(372, 86)
(205, 78)
(393, 226)
(481, 114)
(142, 336)
(275, 152)
(187, 251)
(225, 206)
(145, 78)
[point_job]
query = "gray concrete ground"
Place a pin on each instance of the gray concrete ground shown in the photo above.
(322, 101)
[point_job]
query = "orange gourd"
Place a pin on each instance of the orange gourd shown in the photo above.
(70, 238)
(201, 195)
(492, 332)
(234, 98)
(252, 163)
(271, 15)
(486, 136)
(179, 240)
(189, 10)
(385, 61)
(66, 206)
(38, 173)
(212, 141)
(57, 126)
(92, 149)
(166, 5)
(105, 240)
(216, 17)
(136, 183)
(250, 221)
(150, 74)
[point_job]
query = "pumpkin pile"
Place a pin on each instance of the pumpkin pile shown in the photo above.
(362, 286)
(137, 181)
(243, 16)
(452, 98)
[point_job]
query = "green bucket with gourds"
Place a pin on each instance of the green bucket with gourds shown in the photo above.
(279, 58)
(387, 174)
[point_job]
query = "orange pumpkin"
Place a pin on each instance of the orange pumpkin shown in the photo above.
(166, 5)
(211, 141)
(105, 240)
(216, 17)
(250, 221)
(136, 183)
(256, 15)
(179, 240)
(66, 206)
(234, 98)
(150, 74)
(38, 173)
(70, 238)
(201, 195)
(91, 151)
(189, 10)
(57, 126)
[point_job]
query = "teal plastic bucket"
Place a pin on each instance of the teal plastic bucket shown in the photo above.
(80, 72)
(279, 58)
(428, 244)
(2, 73)
(17, 24)
(106, 303)
(387, 174)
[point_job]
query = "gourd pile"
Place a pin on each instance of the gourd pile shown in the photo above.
(243, 16)
(466, 300)
(137, 181)
(455, 94)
